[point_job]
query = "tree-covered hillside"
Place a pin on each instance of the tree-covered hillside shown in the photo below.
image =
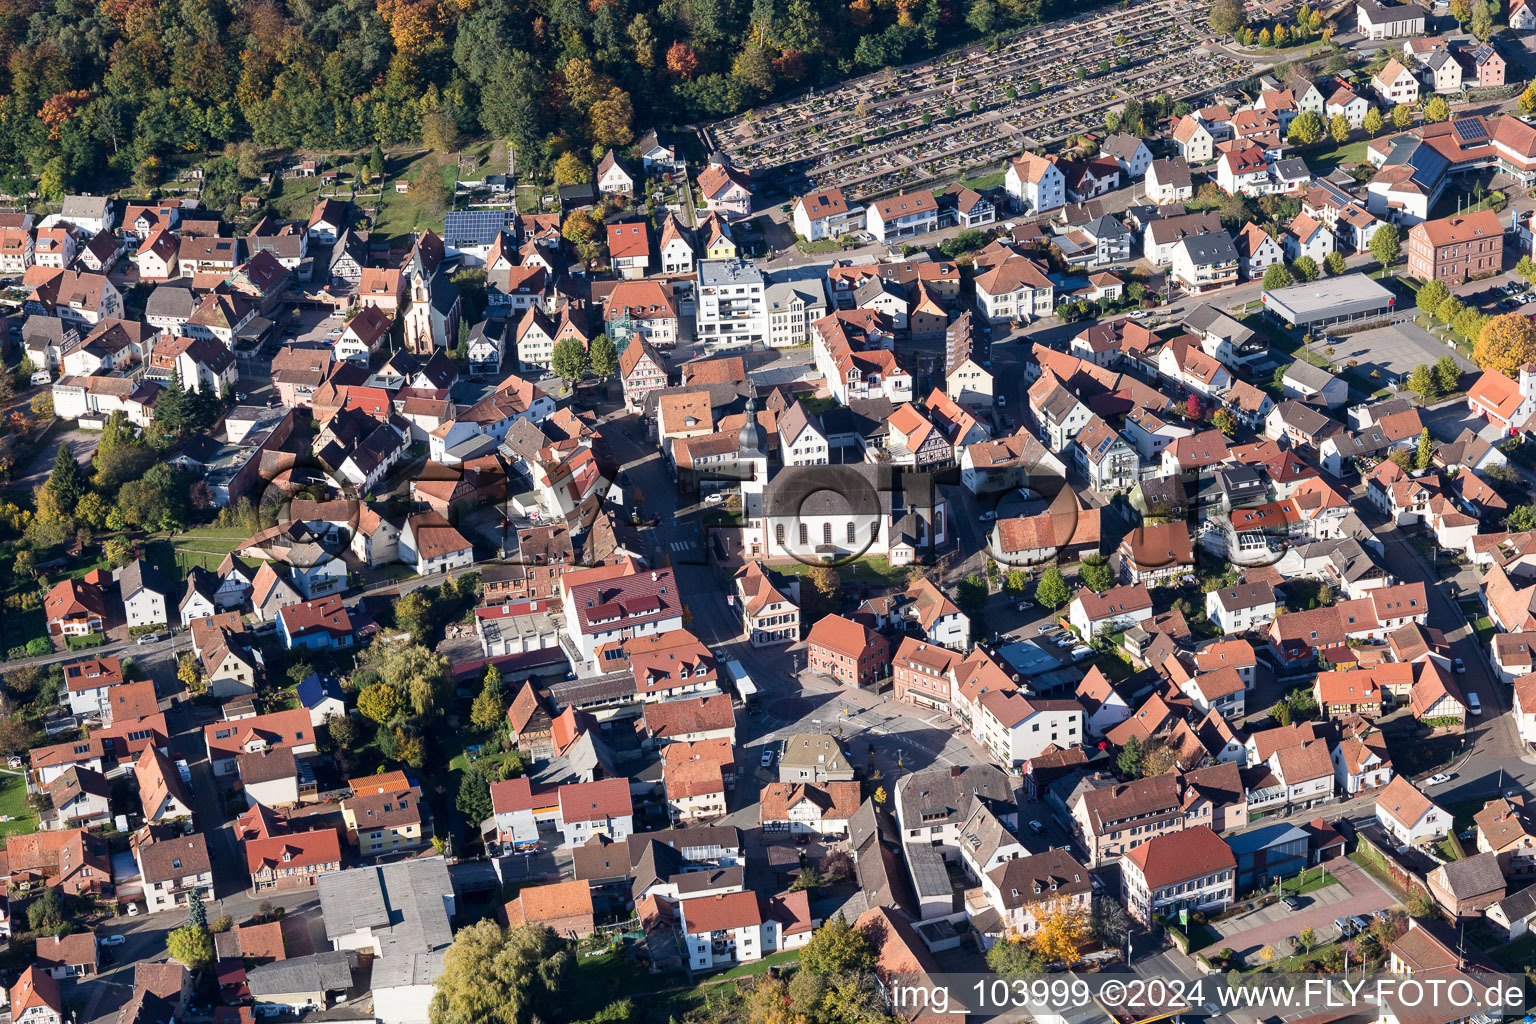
(117, 87)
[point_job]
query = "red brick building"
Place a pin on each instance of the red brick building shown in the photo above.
(920, 672)
(1454, 248)
(847, 651)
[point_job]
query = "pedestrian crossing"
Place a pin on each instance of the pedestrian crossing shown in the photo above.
(680, 545)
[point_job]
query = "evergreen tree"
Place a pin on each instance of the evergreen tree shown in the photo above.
(172, 409)
(197, 914)
(1426, 450)
(67, 481)
(1129, 760)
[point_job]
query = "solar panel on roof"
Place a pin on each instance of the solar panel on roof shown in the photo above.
(1470, 128)
(474, 227)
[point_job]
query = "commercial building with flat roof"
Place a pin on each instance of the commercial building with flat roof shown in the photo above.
(1328, 300)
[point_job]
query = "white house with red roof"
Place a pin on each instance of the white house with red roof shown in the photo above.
(1408, 815)
(1191, 869)
(825, 214)
(1036, 182)
(636, 605)
(1306, 237)
(1117, 608)
(226, 741)
(600, 808)
(902, 216)
(1505, 403)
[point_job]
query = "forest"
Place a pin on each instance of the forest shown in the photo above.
(99, 94)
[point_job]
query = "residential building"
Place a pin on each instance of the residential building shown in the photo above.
(1408, 816)
(1183, 871)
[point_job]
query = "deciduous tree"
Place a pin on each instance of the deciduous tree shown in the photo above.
(191, 946)
(380, 702)
(1430, 296)
(1436, 109)
(1276, 276)
(1051, 591)
(1386, 244)
(491, 704)
(496, 976)
(1374, 122)
(1338, 128)
(1095, 572)
(1063, 928)
(1447, 373)
(1334, 264)
(837, 947)
(1505, 344)
(569, 360)
(1306, 129)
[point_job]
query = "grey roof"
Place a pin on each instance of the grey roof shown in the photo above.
(38, 330)
(926, 865)
(319, 972)
(402, 904)
(85, 207)
(811, 290)
(1304, 373)
(1472, 876)
(1172, 171)
(1306, 418)
(983, 833)
(734, 272)
(1519, 905)
(1380, 13)
(938, 796)
(171, 300)
(815, 750)
(1215, 247)
(405, 970)
(139, 575)
(1121, 146)
(1107, 227)
(875, 287)
(1207, 319)
(1293, 168)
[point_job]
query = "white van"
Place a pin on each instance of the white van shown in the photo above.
(41, 377)
(1474, 706)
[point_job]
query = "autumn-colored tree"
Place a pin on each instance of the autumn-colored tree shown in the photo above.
(1224, 421)
(861, 13)
(824, 580)
(1159, 759)
(1402, 116)
(1374, 122)
(1505, 344)
(59, 108)
(682, 61)
(609, 119)
(790, 64)
(1436, 109)
(570, 169)
(187, 673)
(380, 702)
(1063, 928)
(413, 24)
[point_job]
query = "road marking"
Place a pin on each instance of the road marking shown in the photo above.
(680, 545)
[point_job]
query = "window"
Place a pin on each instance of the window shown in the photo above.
(805, 535)
(851, 536)
(826, 533)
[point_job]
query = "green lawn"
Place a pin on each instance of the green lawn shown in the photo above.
(985, 181)
(402, 213)
(13, 805)
(1449, 848)
(870, 569)
(779, 959)
(1329, 155)
(1308, 881)
(203, 547)
(296, 197)
(1517, 955)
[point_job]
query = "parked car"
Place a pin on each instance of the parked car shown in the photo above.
(1438, 779)
(148, 638)
(1474, 705)
(1049, 627)
(987, 516)
(713, 499)
(1035, 826)
(802, 840)
(1291, 902)
(767, 759)
(113, 940)
(1459, 665)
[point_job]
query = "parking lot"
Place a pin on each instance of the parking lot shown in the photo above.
(1393, 351)
(1355, 892)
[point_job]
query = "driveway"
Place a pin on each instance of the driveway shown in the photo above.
(82, 445)
(1355, 893)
